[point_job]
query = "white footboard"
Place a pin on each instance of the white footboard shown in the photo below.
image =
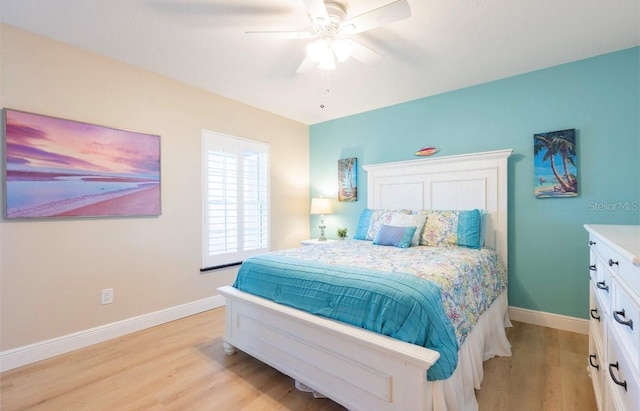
(359, 369)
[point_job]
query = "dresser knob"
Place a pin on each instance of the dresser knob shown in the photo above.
(594, 313)
(592, 267)
(591, 358)
(592, 242)
(612, 263)
(628, 323)
(623, 384)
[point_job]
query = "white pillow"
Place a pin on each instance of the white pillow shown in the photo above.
(410, 220)
(379, 218)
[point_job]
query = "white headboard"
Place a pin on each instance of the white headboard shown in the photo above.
(461, 182)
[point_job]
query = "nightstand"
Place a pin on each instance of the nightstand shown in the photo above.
(316, 242)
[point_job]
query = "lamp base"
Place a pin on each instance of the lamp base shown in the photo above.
(322, 227)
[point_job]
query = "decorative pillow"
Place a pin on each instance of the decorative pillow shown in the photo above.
(448, 228)
(394, 236)
(441, 229)
(410, 220)
(483, 226)
(363, 224)
(380, 217)
(469, 229)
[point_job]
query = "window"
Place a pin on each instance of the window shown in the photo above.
(235, 191)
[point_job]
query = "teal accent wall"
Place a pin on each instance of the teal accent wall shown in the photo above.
(548, 255)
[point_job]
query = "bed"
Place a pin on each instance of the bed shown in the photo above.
(365, 370)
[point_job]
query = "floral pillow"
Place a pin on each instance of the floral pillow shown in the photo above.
(441, 229)
(450, 228)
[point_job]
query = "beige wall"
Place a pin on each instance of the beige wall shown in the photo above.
(53, 271)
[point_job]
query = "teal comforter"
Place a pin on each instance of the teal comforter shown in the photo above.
(398, 305)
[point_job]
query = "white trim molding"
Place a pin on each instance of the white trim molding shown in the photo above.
(544, 319)
(17, 357)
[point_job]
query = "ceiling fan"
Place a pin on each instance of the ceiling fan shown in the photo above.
(332, 28)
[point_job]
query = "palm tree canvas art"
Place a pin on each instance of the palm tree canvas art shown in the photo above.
(555, 164)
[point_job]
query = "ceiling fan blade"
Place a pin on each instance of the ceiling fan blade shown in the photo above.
(317, 11)
(307, 65)
(364, 53)
(396, 11)
(277, 35)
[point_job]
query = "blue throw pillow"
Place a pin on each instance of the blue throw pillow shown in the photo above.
(395, 236)
(363, 224)
(469, 229)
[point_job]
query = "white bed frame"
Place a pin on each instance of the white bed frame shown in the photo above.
(360, 369)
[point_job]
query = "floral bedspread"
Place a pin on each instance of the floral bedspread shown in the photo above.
(469, 279)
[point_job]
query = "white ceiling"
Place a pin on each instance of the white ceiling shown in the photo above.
(444, 45)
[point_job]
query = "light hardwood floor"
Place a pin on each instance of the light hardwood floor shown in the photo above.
(182, 366)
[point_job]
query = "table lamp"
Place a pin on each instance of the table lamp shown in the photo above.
(321, 206)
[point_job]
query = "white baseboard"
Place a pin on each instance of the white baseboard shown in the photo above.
(17, 357)
(557, 321)
(31, 353)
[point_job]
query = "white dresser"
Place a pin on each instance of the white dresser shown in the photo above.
(614, 329)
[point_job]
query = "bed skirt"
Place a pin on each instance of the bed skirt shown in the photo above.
(487, 340)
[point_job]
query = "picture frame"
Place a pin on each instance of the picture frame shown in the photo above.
(59, 168)
(555, 164)
(348, 179)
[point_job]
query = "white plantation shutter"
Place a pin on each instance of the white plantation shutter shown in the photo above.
(236, 199)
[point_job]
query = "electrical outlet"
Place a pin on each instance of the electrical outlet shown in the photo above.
(107, 296)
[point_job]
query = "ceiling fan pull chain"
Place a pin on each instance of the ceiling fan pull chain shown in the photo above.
(324, 86)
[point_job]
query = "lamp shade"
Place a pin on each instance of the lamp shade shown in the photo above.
(321, 206)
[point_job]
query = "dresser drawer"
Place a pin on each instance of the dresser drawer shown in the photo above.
(596, 365)
(598, 315)
(608, 261)
(603, 250)
(630, 274)
(593, 267)
(620, 378)
(624, 322)
(603, 280)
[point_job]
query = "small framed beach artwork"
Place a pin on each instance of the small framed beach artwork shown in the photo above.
(56, 168)
(555, 162)
(347, 179)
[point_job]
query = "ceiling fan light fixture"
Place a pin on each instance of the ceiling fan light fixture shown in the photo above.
(342, 49)
(331, 28)
(321, 52)
(327, 62)
(317, 50)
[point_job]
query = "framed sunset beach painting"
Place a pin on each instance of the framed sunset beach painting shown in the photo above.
(63, 168)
